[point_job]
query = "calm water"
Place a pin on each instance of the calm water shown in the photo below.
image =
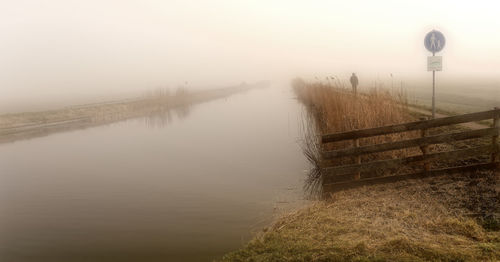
(188, 186)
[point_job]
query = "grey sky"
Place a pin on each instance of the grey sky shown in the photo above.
(62, 48)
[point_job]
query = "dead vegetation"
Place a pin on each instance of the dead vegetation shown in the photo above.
(334, 109)
(112, 111)
(155, 105)
(449, 218)
(337, 109)
(102, 112)
(407, 221)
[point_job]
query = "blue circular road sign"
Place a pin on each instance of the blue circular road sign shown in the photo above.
(434, 41)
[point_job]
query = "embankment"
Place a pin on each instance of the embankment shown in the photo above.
(452, 218)
(27, 125)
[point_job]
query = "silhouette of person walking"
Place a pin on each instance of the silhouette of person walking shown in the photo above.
(354, 83)
(433, 42)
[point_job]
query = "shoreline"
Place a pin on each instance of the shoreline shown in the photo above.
(447, 218)
(27, 125)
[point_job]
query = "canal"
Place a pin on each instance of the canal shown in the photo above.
(188, 185)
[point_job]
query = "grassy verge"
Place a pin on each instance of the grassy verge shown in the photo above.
(452, 218)
(158, 103)
(153, 101)
(406, 221)
(448, 113)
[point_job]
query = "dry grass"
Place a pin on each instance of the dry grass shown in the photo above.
(103, 112)
(156, 106)
(150, 102)
(406, 221)
(334, 109)
(337, 109)
(435, 219)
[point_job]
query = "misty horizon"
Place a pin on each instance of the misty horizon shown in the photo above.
(98, 50)
(240, 130)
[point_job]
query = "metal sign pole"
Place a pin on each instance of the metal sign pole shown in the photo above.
(434, 41)
(433, 92)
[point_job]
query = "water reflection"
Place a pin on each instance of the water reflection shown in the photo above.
(163, 115)
(159, 102)
(189, 191)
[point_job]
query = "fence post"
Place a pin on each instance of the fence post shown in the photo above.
(494, 140)
(357, 159)
(425, 149)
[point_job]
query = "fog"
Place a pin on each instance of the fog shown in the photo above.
(169, 131)
(63, 52)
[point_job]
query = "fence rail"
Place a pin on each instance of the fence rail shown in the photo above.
(351, 174)
(418, 125)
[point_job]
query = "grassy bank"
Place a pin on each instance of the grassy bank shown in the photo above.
(451, 218)
(33, 124)
(407, 221)
(331, 109)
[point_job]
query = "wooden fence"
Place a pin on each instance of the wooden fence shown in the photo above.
(350, 175)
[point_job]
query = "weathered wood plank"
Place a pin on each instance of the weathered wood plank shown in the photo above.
(425, 148)
(424, 124)
(389, 179)
(393, 163)
(357, 160)
(494, 140)
(423, 141)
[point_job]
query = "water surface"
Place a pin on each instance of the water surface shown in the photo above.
(185, 186)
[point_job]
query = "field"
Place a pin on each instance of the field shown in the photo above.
(456, 96)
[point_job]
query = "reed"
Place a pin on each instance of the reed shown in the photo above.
(337, 109)
(412, 220)
(332, 108)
